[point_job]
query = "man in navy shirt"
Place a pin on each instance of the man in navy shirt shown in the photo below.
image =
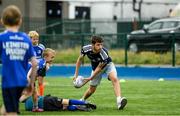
(101, 63)
(16, 51)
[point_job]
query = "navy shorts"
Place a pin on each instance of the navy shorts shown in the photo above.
(11, 98)
(52, 103)
(42, 72)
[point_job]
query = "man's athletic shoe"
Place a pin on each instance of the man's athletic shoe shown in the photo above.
(37, 110)
(122, 104)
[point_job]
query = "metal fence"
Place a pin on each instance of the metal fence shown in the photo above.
(64, 41)
(64, 34)
(118, 42)
(76, 26)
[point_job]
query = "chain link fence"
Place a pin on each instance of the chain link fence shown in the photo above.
(70, 34)
(164, 53)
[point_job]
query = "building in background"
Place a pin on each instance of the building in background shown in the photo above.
(175, 12)
(48, 14)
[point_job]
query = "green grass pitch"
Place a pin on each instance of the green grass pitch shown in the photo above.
(145, 97)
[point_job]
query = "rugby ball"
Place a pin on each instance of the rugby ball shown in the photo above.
(78, 82)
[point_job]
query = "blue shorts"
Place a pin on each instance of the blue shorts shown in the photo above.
(11, 98)
(41, 72)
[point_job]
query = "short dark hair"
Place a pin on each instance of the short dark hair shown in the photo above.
(11, 16)
(96, 39)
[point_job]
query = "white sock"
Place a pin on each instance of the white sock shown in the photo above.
(118, 99)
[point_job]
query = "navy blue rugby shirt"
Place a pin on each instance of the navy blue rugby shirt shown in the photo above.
(96, 58)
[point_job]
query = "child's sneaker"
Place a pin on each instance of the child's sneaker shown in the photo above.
(83, 108)
(92, 106)
(37, 110)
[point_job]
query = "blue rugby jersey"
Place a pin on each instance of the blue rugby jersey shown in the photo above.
(102, 56)
(39, 50)
(15, 49)
(41, 64)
